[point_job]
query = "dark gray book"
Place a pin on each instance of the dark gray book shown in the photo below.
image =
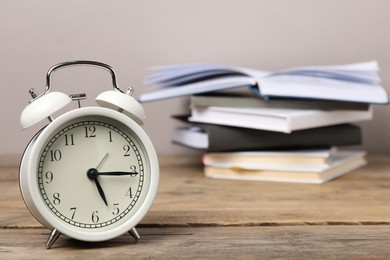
(217, 138)
(251, 101)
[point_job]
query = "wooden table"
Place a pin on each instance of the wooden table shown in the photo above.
(195, 217)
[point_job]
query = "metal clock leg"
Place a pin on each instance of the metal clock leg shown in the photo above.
(133, 232)
(52, 238)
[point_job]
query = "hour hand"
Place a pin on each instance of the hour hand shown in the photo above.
(101, 192)
(93, 175)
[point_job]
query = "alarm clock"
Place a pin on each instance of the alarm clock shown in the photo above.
(91, 173)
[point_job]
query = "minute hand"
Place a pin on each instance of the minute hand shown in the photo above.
(118, 173)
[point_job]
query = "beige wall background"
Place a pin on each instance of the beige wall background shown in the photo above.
(133, 35)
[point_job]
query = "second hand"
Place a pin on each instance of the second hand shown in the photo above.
(102, 161)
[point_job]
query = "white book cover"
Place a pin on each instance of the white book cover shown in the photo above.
(273, 119)
(193, 137)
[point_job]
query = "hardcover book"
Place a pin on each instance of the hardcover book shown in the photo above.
(238, 100)
(276, 119)
(218, 138)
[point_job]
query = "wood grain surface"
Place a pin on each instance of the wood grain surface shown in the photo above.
(195, 217)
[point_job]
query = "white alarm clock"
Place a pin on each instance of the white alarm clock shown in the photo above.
(92, 173)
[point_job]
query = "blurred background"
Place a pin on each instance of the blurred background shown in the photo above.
(134, 35)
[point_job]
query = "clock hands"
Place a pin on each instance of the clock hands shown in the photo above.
(93, 174)
(102, 161)
(118, 173)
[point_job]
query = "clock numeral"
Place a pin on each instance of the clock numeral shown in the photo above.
(129, 193)
(110, 136)
(49, 177)
(116, 209)
(95, 217)
(133, 171)
(55, 155)
(126, 148)
(90, 131)
(73, 212)
(69, 140)
(56, 198)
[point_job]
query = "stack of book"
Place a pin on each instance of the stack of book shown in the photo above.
(289, 125)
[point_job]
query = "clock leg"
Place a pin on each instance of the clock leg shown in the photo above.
(52, 238)
(133, 232)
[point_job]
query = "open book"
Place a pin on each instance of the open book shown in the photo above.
(357, 82)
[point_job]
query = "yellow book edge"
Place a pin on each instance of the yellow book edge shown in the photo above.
(237, 173)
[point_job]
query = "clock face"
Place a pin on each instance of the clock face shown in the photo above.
(93, 173)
